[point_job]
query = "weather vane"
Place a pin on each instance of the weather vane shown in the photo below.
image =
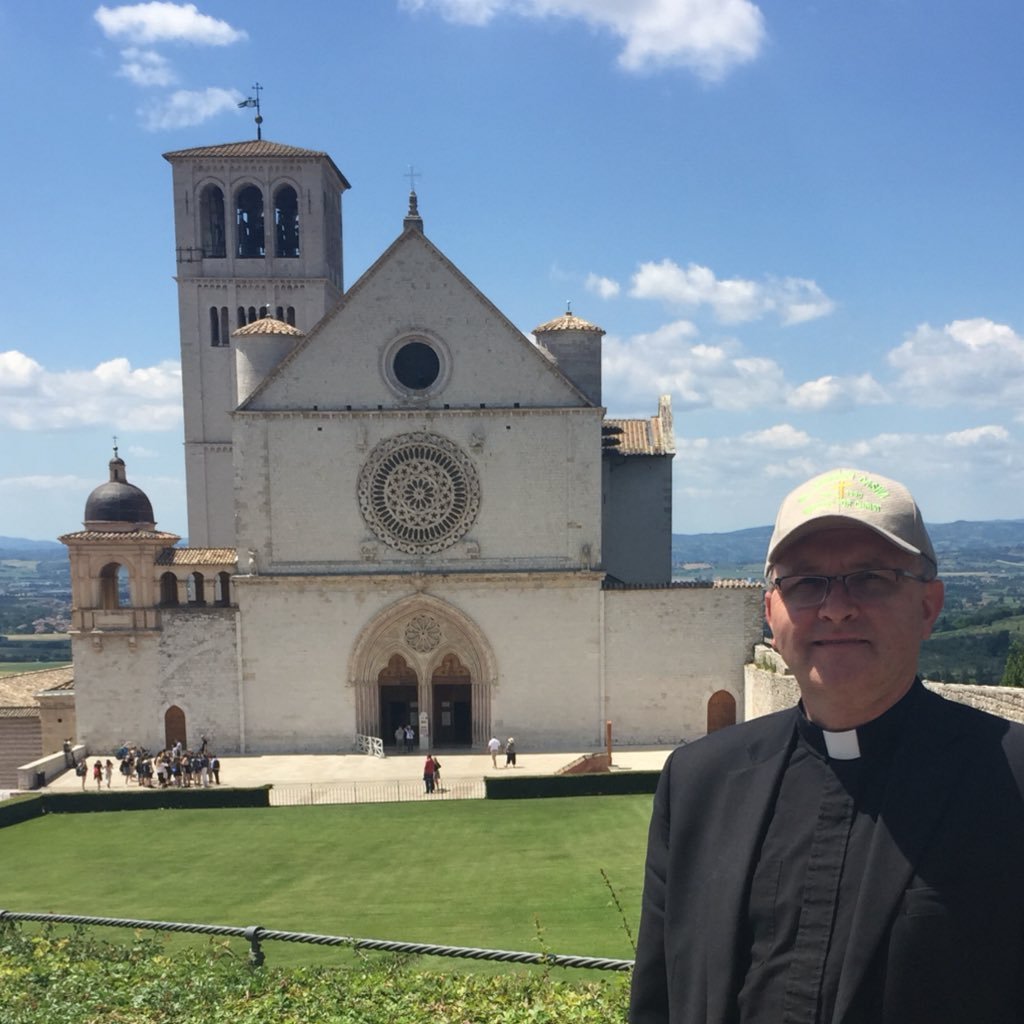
(254, 101)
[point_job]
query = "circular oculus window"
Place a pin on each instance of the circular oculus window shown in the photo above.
(416, 366)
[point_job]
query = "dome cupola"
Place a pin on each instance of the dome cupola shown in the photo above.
(118, 506)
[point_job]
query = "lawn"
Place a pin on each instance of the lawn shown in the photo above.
(466, 873)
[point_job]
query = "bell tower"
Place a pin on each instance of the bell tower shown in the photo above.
(257, 229)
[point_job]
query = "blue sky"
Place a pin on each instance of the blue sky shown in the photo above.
(801, 220)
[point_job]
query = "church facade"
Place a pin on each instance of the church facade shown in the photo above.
(401, 510)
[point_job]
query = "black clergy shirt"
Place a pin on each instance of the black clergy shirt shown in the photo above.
(806, 881)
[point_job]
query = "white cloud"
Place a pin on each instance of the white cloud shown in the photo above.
(727, 483)
(708, 37)
(700, 375)
(975, 436)
(834, 393)
(158, 22)
(605, 287)
(185, 108)
(732, 300)
(145, 68)
(112, 394)
(975, 362)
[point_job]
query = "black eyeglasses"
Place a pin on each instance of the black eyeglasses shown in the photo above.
(866, 586)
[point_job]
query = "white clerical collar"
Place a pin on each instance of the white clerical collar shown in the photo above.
(842, 746)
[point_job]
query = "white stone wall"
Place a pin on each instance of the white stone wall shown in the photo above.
(539, 476)
(770, 687)
(667, 650)
(125, 683)
(299, 634)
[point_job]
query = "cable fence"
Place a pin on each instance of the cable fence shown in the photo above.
(256, 935)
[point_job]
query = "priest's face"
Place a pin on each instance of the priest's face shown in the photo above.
(853, 658)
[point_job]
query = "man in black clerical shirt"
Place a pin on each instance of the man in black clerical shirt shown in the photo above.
(857, 859)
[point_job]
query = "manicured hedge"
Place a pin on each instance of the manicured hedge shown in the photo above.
(18, 809)
(13, 811)
(526, 787)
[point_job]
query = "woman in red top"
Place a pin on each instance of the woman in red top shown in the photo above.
(428, 773)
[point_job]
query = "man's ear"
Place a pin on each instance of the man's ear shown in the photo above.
(931, 605)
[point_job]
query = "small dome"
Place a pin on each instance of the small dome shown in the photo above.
(267, 325)
(568, 322)
(117, 504)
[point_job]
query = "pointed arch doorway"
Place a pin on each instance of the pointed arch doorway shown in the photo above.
(426, 646)
(452, 703)
(399, 698)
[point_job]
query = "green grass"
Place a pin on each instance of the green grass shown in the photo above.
(9, 668)
(466, 873)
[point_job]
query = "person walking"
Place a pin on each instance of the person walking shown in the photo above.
(510, 752)
(493, 748)
(97, 773)
(428, 774)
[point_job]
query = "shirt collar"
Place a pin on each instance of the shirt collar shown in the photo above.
(870, 740)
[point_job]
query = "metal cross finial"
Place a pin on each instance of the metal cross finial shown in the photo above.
(412, 174)
(255, 102)
(115, 446)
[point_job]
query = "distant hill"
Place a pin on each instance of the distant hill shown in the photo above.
(31, 550)
(962, 541)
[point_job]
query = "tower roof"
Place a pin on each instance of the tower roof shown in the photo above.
(568, 322)
(118, 505)
(254, 148)
(267, 325)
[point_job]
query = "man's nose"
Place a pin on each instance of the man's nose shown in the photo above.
(837, 604)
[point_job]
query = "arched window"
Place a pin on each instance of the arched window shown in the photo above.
(174, 728)
(115, 591)
(249, 222)
(721, 710)
(241, 317)
(225, 333)
(290, 316)
(252, 314)
(196, 589)
(211, 220)
(214, 326)
(286, 222)
(223, 586)
(263, 312)
(168, 590)
(279, 313)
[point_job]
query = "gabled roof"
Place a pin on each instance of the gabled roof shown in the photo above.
(254, 148)
(415, 235)
(652, 436)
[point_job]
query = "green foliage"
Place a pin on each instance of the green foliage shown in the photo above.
(1013, 674)
(46, 977)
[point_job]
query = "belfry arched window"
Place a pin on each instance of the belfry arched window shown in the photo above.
(249, 222)
(115, 591)
(211, 221)
(168, 590)
(286, 222)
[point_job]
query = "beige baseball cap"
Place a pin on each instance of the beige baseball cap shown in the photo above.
(845, 497)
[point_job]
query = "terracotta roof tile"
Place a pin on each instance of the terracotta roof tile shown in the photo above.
(170, 538)
(20, 688)
(639, 437)
(268, 325)
(568, 322)
(197, 556)
(251, 148)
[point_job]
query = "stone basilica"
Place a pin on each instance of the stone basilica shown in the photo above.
(400, 510)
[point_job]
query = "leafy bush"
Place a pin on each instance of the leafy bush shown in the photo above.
(45, 977)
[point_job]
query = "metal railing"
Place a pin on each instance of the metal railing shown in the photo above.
(373, 745)
(364, 792)
(256, 935)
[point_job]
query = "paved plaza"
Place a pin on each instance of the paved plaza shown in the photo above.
(352, 778)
